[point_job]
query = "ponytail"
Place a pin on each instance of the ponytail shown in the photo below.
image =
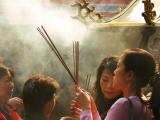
(155, 98)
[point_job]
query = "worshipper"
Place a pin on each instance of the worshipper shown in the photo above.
(6, 91)
(104, 93)
(39, 97)
(134, 70)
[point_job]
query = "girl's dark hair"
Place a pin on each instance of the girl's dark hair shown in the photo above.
(37, 91)
(103, 104)
(155, 97)
(142, 64)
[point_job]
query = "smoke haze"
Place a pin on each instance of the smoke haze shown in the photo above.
(23, 49)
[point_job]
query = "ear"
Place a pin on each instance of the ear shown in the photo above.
(48, 108)
(130, 75)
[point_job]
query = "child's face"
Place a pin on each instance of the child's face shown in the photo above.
(106, 84)
(6, 88)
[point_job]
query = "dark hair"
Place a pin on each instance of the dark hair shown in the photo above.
(141, 63)
(103, 104)
(4, 70)
(37, 91)
(155, 97)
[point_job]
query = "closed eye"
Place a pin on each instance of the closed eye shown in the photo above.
(104, 80)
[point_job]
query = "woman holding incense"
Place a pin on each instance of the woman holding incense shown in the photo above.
(6, 90)
(39, 97)
(104, 93)
(134, 70)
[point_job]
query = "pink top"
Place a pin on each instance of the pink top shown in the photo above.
(118, 111)
(87, 115)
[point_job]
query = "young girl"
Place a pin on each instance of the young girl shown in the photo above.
(104, 93)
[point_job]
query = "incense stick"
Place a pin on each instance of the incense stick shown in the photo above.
(87, 81)
(49, 41)
(76, 59)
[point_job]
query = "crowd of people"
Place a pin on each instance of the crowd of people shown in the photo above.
(117, 92)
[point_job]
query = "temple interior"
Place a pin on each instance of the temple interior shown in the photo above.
(101, 27)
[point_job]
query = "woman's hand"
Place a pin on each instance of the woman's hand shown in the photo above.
(75, 111)
(83, 99)
(15, 103)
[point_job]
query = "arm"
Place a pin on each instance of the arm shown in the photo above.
(86, 103)
(91, 114)
(86, 115)
(94, 110)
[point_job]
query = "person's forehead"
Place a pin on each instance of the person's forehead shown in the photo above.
(121, 57)
(106, 72)
(5, 77)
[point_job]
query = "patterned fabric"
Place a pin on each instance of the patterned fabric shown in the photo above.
(107, 8)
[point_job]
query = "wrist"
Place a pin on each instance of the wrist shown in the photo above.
(88, 107)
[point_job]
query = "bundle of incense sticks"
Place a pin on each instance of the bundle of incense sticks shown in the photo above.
(51, 44)
(87, 82)
(76, 60)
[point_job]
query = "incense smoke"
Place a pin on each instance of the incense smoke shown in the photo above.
(23, 49)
